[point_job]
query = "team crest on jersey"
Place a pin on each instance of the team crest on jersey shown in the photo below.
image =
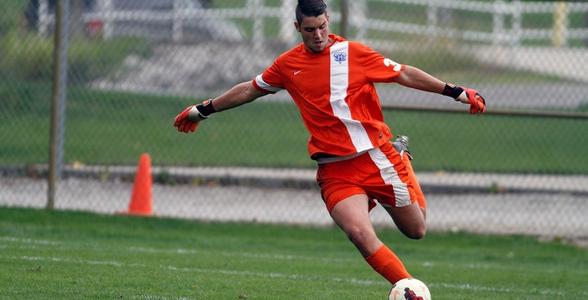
(340, 56)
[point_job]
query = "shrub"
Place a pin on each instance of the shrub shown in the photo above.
(25, 56)
(30, 57)
(11, 15)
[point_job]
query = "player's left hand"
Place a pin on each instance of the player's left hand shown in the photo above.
(466, 96)
(474, 99)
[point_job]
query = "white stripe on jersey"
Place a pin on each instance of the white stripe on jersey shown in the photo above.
(339, 53)
(390, 176)
(264, 85)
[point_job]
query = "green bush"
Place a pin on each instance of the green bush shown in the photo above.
(30, 57)
(11, 15)
(89, 60)
(25, 56)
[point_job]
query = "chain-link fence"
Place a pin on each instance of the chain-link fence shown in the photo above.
(133, 64)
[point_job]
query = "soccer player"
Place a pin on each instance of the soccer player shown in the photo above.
(331, 80)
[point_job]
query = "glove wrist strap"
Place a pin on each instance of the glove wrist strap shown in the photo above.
(452, 91)
(205, 108)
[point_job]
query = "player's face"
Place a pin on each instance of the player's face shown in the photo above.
(315, 32)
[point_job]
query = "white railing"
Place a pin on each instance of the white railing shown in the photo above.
(506, 27)
(105, 12)
(500, 10)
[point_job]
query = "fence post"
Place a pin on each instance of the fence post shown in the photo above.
(560, 24)
(586, 25)
(58, 99)
(287, 32)
(432, 16)
(43, 14)
(106, 12)
(253, 7)
(358, 11)
(177, 21)
(517, 20)
(498, 22)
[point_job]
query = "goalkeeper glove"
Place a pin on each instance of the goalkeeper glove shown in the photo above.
(188, 120)
(467, 96)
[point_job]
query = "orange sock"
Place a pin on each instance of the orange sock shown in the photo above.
(385, 262)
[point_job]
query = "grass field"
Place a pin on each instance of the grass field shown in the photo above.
(115, 128)
(71, 255)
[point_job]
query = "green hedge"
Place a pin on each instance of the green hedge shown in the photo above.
(11, 15)
(29, 56)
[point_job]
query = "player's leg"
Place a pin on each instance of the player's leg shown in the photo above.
(414, 182)
(352, 216)
(400, 144)
(409, 219)
(397, 189)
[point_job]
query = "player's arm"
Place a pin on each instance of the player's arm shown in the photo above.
(240, 94)
(418, 79)
(188, 120)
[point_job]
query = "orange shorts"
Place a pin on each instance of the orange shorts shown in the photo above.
(381, 174)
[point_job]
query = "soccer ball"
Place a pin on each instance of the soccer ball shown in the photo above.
(409, 289)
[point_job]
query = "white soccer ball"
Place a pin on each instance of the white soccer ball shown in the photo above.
(410, 289)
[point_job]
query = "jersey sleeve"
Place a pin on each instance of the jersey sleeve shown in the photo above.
(376, 67)
(270, 81)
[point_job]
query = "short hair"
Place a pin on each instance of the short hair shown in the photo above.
(310, 8)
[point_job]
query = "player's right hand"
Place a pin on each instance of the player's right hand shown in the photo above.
(187, 120)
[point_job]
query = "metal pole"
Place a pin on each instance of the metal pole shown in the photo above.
(58, 99)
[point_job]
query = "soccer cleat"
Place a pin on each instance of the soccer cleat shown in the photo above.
(401, 145)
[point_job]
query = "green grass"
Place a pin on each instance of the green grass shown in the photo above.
(71, 255)
(115, 128)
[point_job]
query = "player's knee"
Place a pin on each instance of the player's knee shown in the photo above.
(360, 237)
(416, 232)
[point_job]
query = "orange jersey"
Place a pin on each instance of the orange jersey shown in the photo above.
(335, 93)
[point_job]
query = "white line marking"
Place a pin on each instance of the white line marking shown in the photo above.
(183, 251)
(272, 275)
(241, 254)
(202, 270)
(27, 241)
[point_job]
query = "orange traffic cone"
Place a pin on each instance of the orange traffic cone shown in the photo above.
(141, 198)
